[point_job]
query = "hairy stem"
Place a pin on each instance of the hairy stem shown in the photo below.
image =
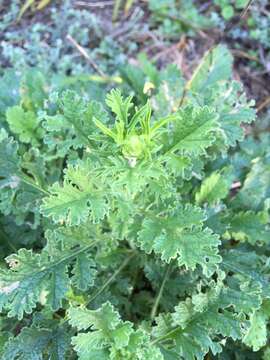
(27, 180)
(156, 303)
(111, 279)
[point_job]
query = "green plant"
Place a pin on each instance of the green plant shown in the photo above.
(43, 43)
(134, 243)
(173, 17)
(228, 7)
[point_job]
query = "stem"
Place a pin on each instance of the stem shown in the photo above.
(6, 239)
(164, 337)
(156, 304)
(64, 259)
(111, 279)
(84, 53)
(28, 181)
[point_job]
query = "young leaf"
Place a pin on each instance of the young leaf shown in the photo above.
(25, 124)
(78, 199)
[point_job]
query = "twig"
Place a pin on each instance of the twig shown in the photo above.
(238, 19)
(156, 304)
(263, 104)
(83, 52)
(173, 48)
(100, 4)
(165, 52)
(245, 10)
(111, 279)
(240, 53)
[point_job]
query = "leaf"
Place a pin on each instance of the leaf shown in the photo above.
(215, 187)
(34, 278)
(234, 109)
(247, 267)
(33, 342)
(9, 95)
(25, 124)
(27, 4)
(215, 66)
(249, 226)
(9, 161)
(193, 131)
(179, 235)
(29, 344)
(73, 124)
(255, 188)
(42, 4)
(107, 328)
(33, 90)
(84, 272)
(120, 107)
(170, 92)
(78, 199)
(199, 323)
(135, 79)
(66, 204)
(256, 336)
(108, 336)
(105, 129)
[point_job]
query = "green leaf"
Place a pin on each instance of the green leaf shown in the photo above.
(107, 328)
(179, 235)
(193, 131)
(215, 187)
(84, 272)
(34, 342)
(9, 161)
(227, 12)
(170, 92)
(33, 90)
(234, 109)
(200, 323)
(255, 188)
(73, 124)
(108, 336)
(120, 107)
(256, 336)
(249, 226)
(29, 344)
(79, 198)
(25, 124)
(247, 267)
(34, 278)
(215, 66)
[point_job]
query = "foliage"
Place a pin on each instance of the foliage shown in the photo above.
(242, 24)
(126, 232)
(43, 42)
(228, 7)
(173, 17)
